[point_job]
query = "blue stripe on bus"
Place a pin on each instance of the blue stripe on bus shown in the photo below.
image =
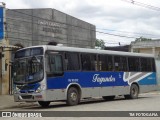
(149, 80)
(95, 79)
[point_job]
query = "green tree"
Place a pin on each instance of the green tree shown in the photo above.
(100, 43)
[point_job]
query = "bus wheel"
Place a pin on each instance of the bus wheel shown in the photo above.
(72, 96)
(108, 98)
(134, 91)
(44, 103)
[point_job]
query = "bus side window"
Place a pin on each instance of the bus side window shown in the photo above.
(153, 65)
(110, 63)
(146, 64)
(117, 63)
(89, 62)
(54, 65)
(102, 62)
(120, 63)
(105, 63)
(123, 64)
(85, 59)
(134, 64)
(72, 61)
(47, 66)
(93, 62)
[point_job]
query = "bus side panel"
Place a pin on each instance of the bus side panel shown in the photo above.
(97, 84)
(106, 91)
(87, 79)
(90, 92)
(55, 94)
(121, 90)
(148, 88)
(93, 84)
(148, 83)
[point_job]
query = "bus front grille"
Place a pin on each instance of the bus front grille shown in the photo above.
(27, 97)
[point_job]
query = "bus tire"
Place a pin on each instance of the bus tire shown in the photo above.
(134, 91)
(44, 103)
(108, 98)
(72, 96)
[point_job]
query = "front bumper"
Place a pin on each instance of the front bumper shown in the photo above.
(28, 97)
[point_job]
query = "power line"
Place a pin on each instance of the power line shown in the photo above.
(126, 32)
(117, 35)
(142, 5)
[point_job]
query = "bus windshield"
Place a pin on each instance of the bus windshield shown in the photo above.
(28, 70)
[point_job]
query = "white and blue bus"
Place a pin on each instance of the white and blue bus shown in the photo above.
(55, 73)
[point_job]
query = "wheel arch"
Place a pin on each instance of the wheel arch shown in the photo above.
(137, 86)
(77, 86)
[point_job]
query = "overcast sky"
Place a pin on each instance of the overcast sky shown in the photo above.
(115, 16)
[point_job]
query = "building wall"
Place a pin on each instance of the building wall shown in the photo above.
(4, 68)
(41, 26)
(157, 51)
(145, 50)
(149, 50)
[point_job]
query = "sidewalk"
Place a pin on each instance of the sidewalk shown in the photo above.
(7, 101)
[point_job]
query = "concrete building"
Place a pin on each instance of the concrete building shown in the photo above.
(151, 47)
(29, 27)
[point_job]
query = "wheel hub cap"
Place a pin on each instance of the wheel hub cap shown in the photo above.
(74, 96)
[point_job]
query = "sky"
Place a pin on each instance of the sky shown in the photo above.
(116, 17)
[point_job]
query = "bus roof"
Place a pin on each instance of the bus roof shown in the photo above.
(88, 50)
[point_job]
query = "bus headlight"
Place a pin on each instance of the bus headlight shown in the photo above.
(16, 90)
(40, 88)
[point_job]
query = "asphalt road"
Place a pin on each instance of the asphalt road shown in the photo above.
(145, 102)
